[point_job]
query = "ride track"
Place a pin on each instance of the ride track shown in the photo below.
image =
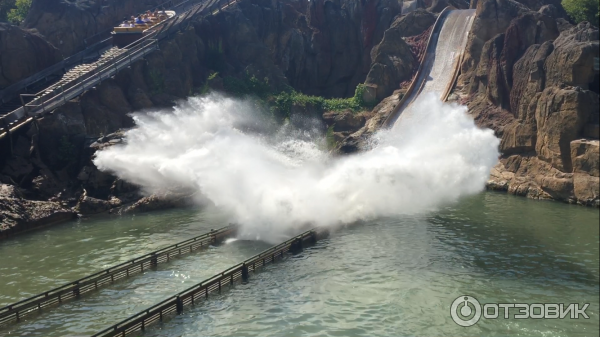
(56, 95)
(440, 65)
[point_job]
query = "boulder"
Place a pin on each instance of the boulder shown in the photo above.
(23, 53)
(572, 61)
(343, 121)
(88, 205)
(319, 47)
(159, 201)
(586, 189)
(561, 115)
(18, 214)
(393, 63)
(585, 156)
(414, 23)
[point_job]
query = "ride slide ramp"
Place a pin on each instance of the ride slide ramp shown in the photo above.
(439, 68)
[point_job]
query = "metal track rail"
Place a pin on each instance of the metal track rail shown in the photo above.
(175, 304)
(16, 311)
(94, 44)
(137, 50)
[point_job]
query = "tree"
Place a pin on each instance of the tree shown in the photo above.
(19, 12)
(582, 10)
(5, 7)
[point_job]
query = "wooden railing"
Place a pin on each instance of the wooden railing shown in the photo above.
(175, 304)
(16, 311)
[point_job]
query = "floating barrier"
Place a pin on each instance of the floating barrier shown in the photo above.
(15, 312)
(200, 292)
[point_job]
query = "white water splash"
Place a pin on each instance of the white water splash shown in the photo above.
(275, 183)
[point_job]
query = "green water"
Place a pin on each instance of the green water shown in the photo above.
(388, 277)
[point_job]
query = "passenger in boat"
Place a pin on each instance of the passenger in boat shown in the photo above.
(139, 21)
(124, 24)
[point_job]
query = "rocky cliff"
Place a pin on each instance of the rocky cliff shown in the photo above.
(529, 75)
(68, 23)
(23, 53)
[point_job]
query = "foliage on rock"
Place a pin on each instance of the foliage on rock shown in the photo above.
(18, 13)
(582, 10)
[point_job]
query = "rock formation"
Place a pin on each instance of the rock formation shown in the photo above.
(534, 83)
(22, 54)
(20, 214)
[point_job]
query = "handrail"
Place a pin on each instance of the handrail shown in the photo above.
(436, 27)
(17, 310)
(46, 104)
(17, 118)
(228, 277)
(14, 88)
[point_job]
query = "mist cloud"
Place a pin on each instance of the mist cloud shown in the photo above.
(272, 183)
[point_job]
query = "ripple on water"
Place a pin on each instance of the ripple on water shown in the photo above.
(387, 277)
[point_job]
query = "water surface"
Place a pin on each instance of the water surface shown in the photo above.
(398, 277)
(387, 277)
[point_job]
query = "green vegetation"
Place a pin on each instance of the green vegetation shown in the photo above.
(205, 88)
(5, 7)
(285, 100)
(14, 11)
(582, 10)
(330, 139)
(282, 101)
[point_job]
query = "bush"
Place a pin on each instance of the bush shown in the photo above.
(19, 12)
(582, 10)
(330, 139)
(281, 102)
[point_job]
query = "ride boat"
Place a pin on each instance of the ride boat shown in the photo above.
(130, 32)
